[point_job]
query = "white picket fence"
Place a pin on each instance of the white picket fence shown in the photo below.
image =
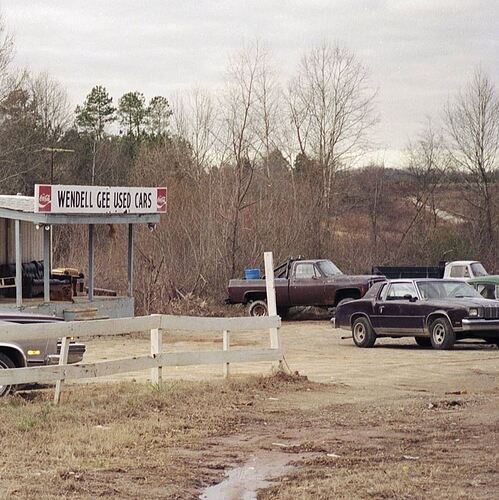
(157, 324)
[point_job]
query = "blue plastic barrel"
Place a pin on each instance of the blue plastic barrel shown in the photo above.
(252, 274)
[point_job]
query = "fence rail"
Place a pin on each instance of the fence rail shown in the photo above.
(157, 324)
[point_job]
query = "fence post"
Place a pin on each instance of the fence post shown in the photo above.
(63, 360)
(156, 347)
(275, 341)
(226, 346)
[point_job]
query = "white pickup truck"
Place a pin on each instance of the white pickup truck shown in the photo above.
(462, 270)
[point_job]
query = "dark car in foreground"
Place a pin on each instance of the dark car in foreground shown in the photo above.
(436, 312)
(36, 352)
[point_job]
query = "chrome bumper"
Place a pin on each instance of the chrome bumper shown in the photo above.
(75, 354)
(470, 325)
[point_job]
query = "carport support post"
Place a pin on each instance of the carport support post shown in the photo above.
(130, 260)
(47, 232)
(275, 341)
(91, 253)
(19, 268)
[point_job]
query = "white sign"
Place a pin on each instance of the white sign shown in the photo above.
(58, 199)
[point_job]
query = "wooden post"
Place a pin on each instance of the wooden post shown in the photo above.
(226, 346)
(46, 262)
(91, 255)
(19, 263)
(63, 360)
(156, 348)
(130, 260)
(275, 341)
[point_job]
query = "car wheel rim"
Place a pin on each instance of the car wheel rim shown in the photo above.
(359, 332)
(439, 334)
(259, 310)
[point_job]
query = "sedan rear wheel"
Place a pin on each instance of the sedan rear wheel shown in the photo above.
(442, 336)
(5, 364)
(362, 333)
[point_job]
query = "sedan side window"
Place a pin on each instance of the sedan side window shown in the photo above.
(399, 290)
(305, 271)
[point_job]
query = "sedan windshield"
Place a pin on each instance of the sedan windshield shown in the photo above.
(446, 290)
(478, 269)
(328, 269)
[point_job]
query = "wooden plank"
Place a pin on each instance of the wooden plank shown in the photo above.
(156, 347)
(11, 332)
(48, 374)
(226, 347)
(271, 300)
(83, 329)
(191, 323)
(63, 360)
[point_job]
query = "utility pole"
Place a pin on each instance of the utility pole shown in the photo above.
(52, 151)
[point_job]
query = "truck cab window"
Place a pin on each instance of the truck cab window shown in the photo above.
(459, 272)
(478, 269)
(305, 271)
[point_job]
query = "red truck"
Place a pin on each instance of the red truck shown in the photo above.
(300, 282)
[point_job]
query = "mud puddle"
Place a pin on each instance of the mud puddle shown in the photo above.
(242, 483)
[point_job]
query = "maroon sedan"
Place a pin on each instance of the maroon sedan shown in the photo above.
(435, 312)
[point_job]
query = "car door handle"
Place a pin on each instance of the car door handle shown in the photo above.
(381, 309)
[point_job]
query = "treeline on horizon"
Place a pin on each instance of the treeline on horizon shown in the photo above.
(264, 163)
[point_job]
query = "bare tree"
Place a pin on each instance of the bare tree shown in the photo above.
(332, 110)
(239, 104)
(195, 118)
(7, 79)
(472, 125)
(52, 106)
(427, 164)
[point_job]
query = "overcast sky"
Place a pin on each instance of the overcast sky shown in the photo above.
(419, 52)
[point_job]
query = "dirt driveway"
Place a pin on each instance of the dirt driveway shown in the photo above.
(394, 367)
(396, 421)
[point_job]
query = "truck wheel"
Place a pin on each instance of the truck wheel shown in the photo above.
(6, 363)
(283, 312)
(258, 308)
(423, 341)
(362, 333)
(442, 336)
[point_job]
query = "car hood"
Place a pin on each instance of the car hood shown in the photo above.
(465, 302)
(27, 318)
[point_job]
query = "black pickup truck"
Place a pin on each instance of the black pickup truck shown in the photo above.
(301, 282)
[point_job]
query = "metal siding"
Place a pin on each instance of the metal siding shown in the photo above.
(32, 242)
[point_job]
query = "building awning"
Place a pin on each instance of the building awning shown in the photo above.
(23, 208)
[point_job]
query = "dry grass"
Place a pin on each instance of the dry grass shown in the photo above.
(134, 441)
(125, 439)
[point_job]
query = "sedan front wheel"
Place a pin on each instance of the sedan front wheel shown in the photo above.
(442, 336)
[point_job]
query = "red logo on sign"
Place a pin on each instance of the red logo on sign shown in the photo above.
(161, 200)
(44, 198)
